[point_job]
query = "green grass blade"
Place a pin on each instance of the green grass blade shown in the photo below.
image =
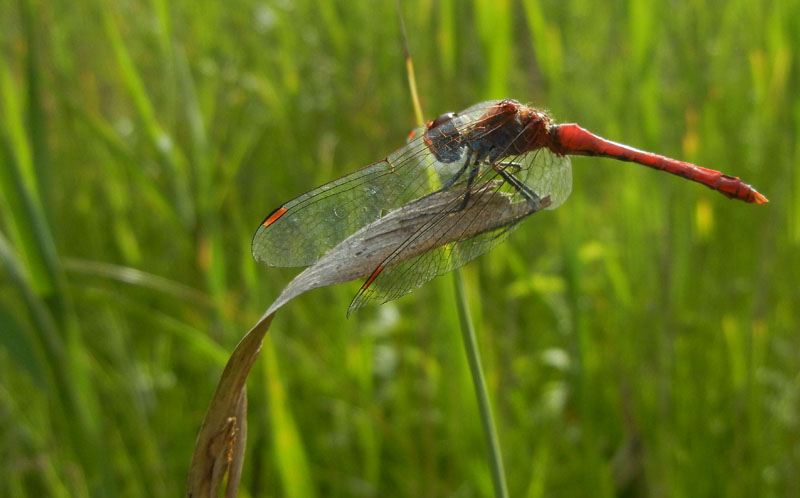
(20, 190)
(161, 141)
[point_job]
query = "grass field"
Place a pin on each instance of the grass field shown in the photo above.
(641, 340)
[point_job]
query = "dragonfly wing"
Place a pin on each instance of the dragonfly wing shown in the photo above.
(300, 231)
(452, 233)
(545, 173)
(401, 279)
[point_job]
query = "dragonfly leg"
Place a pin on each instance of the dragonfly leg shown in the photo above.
(529, 195)
(449, 183)
(473, 172)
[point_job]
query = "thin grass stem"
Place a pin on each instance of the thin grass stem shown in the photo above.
(479, 383)
(467, 328)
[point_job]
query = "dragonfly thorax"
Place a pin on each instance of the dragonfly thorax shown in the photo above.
(504, 130)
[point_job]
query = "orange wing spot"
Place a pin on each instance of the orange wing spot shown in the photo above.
(372, 277)
(274, 216)
(412, 134)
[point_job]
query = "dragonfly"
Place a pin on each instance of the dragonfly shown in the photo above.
(498, 148)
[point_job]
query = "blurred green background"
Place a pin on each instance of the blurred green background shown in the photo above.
(641, 340)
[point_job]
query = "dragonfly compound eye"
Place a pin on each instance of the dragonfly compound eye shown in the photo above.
(442, 119)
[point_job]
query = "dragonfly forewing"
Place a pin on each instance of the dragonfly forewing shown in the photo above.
(302, 230)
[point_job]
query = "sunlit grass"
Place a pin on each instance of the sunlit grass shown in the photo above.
(640, 339)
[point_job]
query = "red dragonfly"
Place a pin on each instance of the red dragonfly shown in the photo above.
(492, 148)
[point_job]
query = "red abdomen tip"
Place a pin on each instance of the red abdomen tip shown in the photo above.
(759, 198)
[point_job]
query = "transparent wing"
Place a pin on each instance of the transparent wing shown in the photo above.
(450, 234)
(302, 230)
